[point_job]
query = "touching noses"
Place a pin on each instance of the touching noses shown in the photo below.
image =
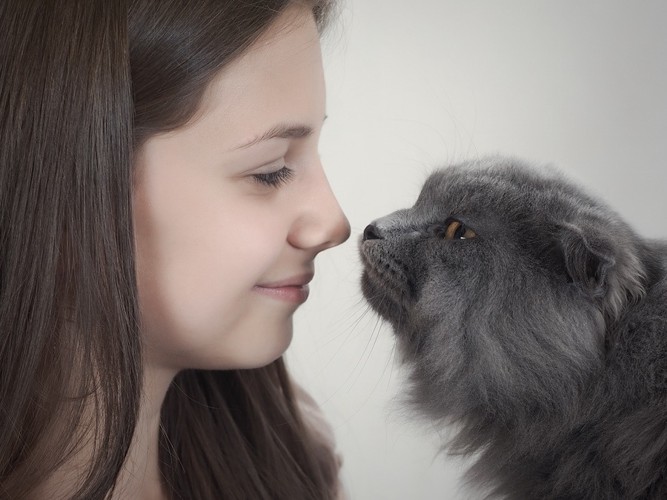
(322, 223)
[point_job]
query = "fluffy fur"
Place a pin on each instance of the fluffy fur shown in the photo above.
(543, 338)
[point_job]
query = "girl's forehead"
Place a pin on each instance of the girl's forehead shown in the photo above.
(277, 79)
(291, 43)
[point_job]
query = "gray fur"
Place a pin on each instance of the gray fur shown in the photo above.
(543, 339)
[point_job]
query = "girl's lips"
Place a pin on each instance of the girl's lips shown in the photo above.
(296, 294)
(294, 290)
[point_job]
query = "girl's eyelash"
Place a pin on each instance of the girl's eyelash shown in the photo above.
(275, 178)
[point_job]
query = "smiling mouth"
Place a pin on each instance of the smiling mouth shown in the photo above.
(293, 290)
(297, 294)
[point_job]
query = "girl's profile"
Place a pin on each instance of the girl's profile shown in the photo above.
(162, 202)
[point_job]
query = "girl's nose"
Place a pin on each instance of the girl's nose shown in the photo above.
(322, 223)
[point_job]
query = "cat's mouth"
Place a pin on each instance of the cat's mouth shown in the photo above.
(384, 282)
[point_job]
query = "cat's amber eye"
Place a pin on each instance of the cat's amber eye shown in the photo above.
(456, 230)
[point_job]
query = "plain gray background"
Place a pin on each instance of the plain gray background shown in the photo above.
(578, 84)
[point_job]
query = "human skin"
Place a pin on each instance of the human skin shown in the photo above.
(211, 240)
(209, 235)
(223, 259)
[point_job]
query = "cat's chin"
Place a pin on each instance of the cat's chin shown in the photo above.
(384, 283)
(385, 300)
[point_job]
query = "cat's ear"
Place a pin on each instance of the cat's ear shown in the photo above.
(588, 258)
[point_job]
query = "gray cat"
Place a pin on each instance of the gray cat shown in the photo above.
(535, 320)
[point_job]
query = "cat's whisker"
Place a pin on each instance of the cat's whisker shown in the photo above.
(362, 311)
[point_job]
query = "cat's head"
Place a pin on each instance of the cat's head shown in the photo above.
(499, 283)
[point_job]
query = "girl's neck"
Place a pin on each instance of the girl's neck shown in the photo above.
(140, 477)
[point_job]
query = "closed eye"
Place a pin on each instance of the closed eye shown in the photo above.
(456, 230)
(274, 179)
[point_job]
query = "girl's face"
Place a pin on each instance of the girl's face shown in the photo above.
(231, 210)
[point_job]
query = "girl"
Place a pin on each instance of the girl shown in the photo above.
(161, 204)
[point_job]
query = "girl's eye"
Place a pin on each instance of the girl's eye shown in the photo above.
(275, 178)
(456, 230)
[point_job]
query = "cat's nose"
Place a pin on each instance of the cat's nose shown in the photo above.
(372, 232)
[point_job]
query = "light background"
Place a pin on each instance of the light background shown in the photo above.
(414, 85)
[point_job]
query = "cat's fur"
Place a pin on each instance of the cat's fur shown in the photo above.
(543, 339)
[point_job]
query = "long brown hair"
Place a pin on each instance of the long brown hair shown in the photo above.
(83, 83)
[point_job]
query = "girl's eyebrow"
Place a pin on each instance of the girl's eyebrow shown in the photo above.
(280, 131)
